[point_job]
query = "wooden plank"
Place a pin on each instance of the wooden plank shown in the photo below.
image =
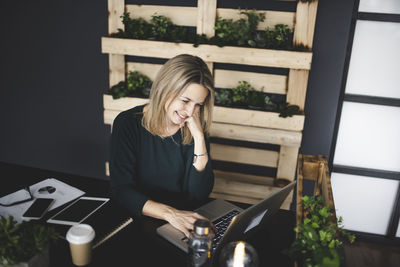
(179, 15)
(206, 14)
(209, 53)
(257, 118)
(256, 134)
(268, 83)
(287, 163)
(224, 115)
(122, 104)
(116, 62)
(271, 17)
(306, 14)
(245, 178)
(116, 69)
(187, 16)
(148, 69)
(244, 155)
(243, 189)
(297, 87)
(115, 11)
(245, 192)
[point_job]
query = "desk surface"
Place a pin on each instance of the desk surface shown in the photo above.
(139, 242)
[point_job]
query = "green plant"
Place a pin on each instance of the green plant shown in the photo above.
(136, 84)
(247, 28)
(224, 32)
(319, 236)
(223, 97)
(256, 99)
(134, 28)
(240, 93)
(161, 27)
(20, 242)
(277, 38)
(287, 110)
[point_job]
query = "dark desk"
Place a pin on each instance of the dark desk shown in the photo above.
(139, 242)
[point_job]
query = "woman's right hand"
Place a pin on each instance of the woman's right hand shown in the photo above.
(183, 220)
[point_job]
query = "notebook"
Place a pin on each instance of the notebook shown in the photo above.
(106, 218)
(233, 222)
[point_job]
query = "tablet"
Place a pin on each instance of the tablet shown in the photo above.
(78, 210)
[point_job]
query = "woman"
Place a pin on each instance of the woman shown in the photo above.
(159, 152)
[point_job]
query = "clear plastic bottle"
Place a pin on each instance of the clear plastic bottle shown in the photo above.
(200, 243)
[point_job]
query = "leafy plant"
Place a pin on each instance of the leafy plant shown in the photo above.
(136, 84)
(319, 236)
(287, 110)
(256, 99)
(161, 27)
(134, 28)
(241, 92)
(20, 242)
(277, 38)
(269, 105)
(223, 97)
(247, 28)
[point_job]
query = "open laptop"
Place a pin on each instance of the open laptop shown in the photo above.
(232, 222)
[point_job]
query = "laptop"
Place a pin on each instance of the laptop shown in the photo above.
(232, 222)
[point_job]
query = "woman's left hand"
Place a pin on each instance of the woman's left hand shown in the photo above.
(194, 124)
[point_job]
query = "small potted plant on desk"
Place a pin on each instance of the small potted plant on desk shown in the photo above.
(320, 236)
(25, 244)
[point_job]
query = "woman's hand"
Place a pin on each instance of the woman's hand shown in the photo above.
(184, 220)
(194, 124)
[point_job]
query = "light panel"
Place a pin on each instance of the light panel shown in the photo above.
(369, 137)
(375, 60)
(380, 6)
(365, 203)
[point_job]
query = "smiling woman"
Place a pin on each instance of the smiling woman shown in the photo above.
(159, 164)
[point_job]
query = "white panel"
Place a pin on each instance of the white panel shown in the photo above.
(375, 60)
(380, 6)
(365, 203)
(369, 137)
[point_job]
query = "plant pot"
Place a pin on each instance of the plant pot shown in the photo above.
(39, 260)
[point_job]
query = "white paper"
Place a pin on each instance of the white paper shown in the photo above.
(64, 193)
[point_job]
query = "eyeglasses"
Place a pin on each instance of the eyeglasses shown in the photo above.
(20, 201)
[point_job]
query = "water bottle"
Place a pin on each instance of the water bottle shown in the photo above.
(200, 242)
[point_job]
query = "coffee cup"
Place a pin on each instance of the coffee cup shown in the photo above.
(80, 239)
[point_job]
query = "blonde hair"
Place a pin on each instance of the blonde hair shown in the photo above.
(172, 79)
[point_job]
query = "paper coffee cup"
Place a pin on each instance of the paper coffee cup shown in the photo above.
(80, 239)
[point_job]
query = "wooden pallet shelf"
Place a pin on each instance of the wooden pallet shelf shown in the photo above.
(228, 123)
(209, 53)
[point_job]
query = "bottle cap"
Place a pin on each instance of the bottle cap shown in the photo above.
(202, 227)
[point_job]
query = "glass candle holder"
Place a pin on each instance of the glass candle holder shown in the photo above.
(238, 254)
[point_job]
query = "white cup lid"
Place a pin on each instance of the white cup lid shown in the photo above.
(80, 234)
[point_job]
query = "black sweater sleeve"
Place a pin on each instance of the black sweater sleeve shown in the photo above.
(123, 165)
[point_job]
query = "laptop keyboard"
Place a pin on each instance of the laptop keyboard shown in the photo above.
(222, 224)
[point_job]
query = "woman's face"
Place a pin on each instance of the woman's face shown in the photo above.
(185, 105)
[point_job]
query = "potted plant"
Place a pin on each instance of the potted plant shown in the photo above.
(320, 235)
(25, 244)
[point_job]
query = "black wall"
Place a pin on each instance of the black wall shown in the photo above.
(53, 75)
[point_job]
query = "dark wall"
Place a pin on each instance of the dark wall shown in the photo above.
(53, 75)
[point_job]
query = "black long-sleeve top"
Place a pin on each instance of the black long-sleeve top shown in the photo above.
(145, 166)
